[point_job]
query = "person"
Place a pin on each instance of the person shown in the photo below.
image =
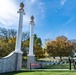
(69, 62)
(74, 62)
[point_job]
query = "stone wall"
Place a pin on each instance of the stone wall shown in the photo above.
(12, 62)
(31, 60)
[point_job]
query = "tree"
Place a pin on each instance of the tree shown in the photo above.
(4, 48)
(25, 47)
(8, 41)
(61, 47)
(38, 50)
(7, 33)
(74, 44)
(51, 48)
(64, 46)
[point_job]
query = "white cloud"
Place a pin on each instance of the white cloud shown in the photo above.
(41, 6)
(63, 32)
(63, 2)
(70, 20)
(66, 34)
(32, 1)
(8, 12)
(48, 35)
(10, 18)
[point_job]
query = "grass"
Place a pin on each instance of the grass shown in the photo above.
(62, 66)
(43, 72)
(48, 71)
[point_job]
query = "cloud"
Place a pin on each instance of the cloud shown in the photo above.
(8, 12)
(66, 34)
(32, 1)
(9, 18)
(36, 9)
(63, 2)
(63, 32)
(70, 20)
(41, 6)
(48, 35)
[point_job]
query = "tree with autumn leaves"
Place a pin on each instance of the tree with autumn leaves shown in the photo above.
(61, 47)
(38, 50)
(8, 41)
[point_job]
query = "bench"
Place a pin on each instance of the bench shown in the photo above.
(35, 64)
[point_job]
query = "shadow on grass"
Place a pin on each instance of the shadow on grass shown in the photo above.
(15, 72)
(24, 71)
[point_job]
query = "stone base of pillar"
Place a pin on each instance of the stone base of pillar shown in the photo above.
(18, 61)
(30, 60)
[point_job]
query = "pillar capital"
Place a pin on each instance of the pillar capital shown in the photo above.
(21, 6)
(32, 20)
(21, 10)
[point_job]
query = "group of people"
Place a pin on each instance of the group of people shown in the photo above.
(72, 60)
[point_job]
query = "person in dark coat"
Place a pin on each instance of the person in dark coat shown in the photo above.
(69, 63)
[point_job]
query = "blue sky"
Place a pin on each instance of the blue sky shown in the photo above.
(52, 17)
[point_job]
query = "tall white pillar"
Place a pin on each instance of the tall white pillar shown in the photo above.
(19, 32)
(31, 57)
(31, 37)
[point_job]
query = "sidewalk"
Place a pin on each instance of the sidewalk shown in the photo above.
(46, 69)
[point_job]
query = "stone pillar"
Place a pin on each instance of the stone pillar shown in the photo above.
(31, 37)
(19, 32)
(18, 51)
(30, 57)
(18, 61)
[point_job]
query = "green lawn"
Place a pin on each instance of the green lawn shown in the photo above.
(62, 66)
(43, 72)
